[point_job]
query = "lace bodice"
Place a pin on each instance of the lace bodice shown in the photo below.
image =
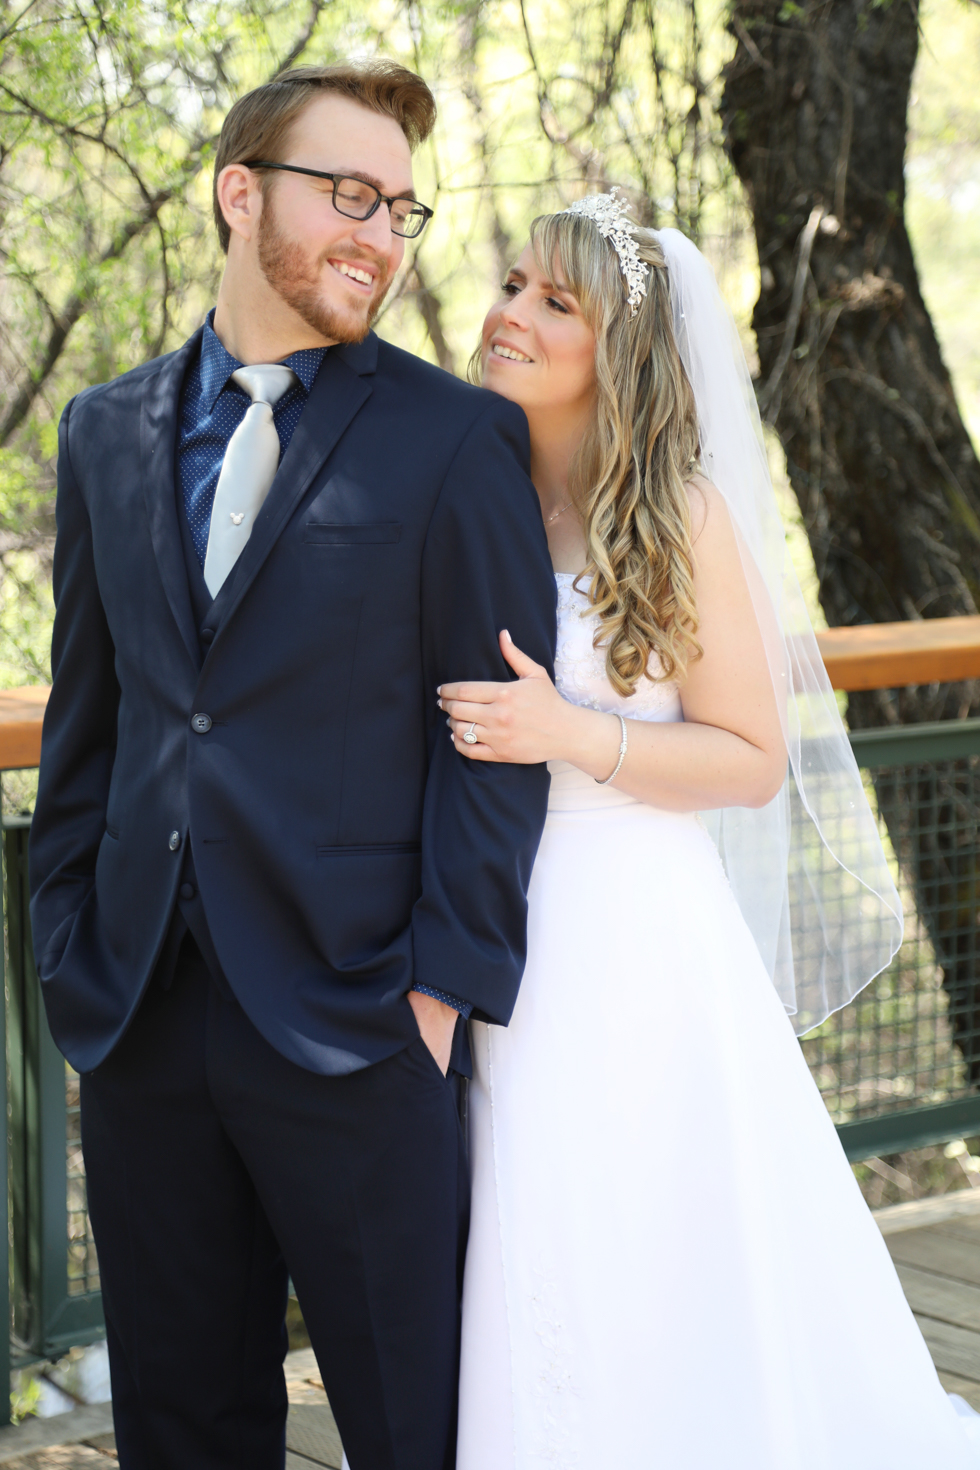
(580, 669)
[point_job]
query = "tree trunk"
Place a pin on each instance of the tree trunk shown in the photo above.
(852, 379)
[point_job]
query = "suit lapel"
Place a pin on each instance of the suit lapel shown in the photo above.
(158, 442)
(338, 391)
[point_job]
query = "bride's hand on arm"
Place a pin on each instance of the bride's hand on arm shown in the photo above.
(525, 720)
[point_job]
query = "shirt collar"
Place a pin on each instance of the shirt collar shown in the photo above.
(217, 365)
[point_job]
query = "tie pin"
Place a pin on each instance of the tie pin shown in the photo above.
(237, 517)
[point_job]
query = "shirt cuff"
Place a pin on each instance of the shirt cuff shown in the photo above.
(464, 1007)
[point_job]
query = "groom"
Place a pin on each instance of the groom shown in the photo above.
(265, 884)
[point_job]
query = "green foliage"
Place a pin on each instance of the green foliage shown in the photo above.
(108, 120)
(942, 206)
(109, 115)
(25, 1397)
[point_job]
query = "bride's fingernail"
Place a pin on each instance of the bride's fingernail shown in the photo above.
(438, 688)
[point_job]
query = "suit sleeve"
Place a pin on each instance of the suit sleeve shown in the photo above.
(485, 567)
(79, 735)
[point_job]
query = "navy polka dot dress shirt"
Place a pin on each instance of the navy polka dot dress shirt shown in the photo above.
(212, 408)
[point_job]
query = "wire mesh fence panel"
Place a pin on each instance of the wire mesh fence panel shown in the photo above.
(892, 1047)
(907, 1047)
(911, 1039)
(83, 1264)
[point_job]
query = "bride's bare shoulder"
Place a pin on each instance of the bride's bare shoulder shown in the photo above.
(707, 505)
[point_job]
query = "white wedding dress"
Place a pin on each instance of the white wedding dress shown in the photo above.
(618, 1314)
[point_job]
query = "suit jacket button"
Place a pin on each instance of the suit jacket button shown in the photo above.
(174, 841)
(200, 724)
(188, 891)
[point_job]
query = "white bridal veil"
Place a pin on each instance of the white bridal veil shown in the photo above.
(808, 870)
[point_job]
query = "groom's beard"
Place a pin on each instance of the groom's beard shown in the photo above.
(298, 280)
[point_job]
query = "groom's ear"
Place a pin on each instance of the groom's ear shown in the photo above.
(238, 192)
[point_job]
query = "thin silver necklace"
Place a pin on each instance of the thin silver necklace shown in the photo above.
(559, 513)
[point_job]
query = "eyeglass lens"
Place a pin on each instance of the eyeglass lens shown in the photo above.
(357, 199)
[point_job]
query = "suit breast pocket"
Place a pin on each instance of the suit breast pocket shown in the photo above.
(367, 533)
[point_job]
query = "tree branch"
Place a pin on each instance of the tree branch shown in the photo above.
(4, 35)
(738, 26)
(305, 36)
(767, 398)
(157, 346)
(430, 310)
(70, 131)
(78, 303)
(602, 98)
(136, 225)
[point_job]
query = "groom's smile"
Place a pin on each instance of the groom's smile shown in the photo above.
(356, 273)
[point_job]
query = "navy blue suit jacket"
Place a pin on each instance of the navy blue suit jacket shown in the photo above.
(341, 845)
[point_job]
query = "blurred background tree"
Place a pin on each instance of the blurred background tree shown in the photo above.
(108, 116)
(108, 119)
(853, 379)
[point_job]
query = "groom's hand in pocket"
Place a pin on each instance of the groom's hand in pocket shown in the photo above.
(437, 1024)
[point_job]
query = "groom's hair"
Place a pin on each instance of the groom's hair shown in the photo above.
(259, 124)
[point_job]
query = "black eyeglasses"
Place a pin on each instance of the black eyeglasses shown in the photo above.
(358, 200)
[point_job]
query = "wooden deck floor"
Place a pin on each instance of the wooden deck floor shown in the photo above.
(311, 1434)
(935, 1245)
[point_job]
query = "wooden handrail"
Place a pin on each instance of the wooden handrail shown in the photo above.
(891, 655)
(21, 713)
(874, 656)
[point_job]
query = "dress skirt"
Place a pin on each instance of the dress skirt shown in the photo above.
(671, 1266)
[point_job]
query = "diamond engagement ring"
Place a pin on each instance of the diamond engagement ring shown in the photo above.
(470, 737)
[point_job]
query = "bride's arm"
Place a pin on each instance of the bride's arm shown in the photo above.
(728, 752)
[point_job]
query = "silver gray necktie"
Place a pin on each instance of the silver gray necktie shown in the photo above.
(247, 470)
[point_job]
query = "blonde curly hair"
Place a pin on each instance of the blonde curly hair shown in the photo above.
(628, 476)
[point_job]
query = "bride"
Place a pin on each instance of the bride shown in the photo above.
(617, 1313)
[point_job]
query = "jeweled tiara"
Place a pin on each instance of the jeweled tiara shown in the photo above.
(611, 218)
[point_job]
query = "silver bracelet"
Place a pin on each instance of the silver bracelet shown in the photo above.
(622, 756)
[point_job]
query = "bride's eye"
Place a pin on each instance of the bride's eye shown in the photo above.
(552, 301)
(510, 288)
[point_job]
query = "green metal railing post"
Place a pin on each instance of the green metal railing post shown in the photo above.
(4, 1193)
(47, 1320)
